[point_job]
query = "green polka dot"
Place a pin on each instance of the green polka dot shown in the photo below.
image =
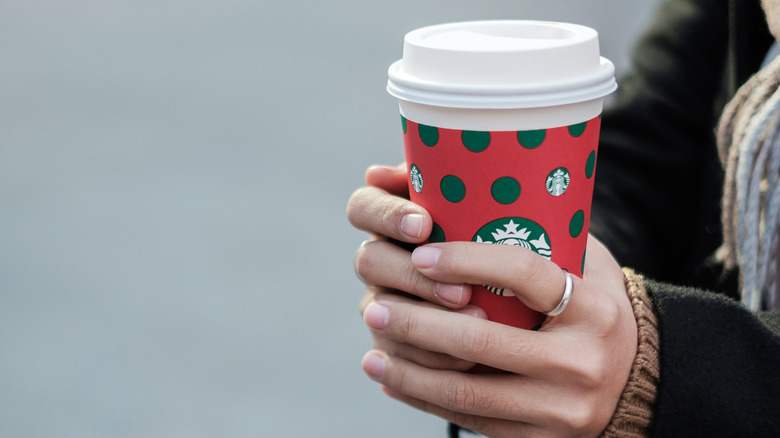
(437, 234)
(578, 129)
(453, 188)
(428, 134)
(531, 139)
(505, 190)
(590, 165)
(475, 141)
(577, 223)
(582, 267)
(403, 124)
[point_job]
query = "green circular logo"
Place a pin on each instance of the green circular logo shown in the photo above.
(417, 179)
(514, 231)
(557, 181)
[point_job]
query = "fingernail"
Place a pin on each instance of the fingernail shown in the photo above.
(412, 224)
(476, 312)
(451, 293)
(425, 256)
(374, 365)
(376, 316)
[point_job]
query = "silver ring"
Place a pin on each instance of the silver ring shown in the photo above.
(564, 299)
(354, 263)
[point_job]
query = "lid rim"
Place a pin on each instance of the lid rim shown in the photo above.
(503, 101)
(603, 73)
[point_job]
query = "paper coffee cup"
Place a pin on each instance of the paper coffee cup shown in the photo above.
(501, 124)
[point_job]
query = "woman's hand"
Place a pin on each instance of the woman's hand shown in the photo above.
(563, 380)
(384, 261)
(395, 225)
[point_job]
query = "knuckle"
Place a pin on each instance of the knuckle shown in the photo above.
(478, 342)
(374, 210)
(459, 394)
(577, 415)
(404, 326)
(591, 372)
(417, 283)
(533, 274)
(356, 205)
(389, 213)
(581, 416)
(608, 315)
(397, 378)
(534, 269)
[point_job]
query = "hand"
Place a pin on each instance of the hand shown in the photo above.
(382, 209)
(563, 380)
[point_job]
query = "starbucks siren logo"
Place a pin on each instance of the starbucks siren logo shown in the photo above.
(557, 181)
(416, 177)
(508, 231)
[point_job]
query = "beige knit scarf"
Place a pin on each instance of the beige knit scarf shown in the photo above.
(749, 145)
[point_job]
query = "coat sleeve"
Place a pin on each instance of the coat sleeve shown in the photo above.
(718, 366)
(658, 176)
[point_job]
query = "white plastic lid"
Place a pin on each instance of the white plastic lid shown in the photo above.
(501, 64)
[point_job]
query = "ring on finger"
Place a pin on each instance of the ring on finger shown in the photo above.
(567, 290)
(355, 266)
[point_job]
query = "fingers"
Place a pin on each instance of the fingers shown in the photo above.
(465, 393)
(429, 359)
(564, 379)
(385, 264)
(544, 355)
(497, 405)
(391, 179)
(375, 210)
(471, 339)
(536, 281)
(503, 397)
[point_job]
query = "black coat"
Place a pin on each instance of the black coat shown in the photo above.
(657, 207)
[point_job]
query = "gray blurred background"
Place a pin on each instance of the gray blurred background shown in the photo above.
(174, 255)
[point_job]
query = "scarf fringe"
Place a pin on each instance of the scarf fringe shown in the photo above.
(748, 139)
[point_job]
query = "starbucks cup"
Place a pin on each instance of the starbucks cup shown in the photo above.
(501, 123)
